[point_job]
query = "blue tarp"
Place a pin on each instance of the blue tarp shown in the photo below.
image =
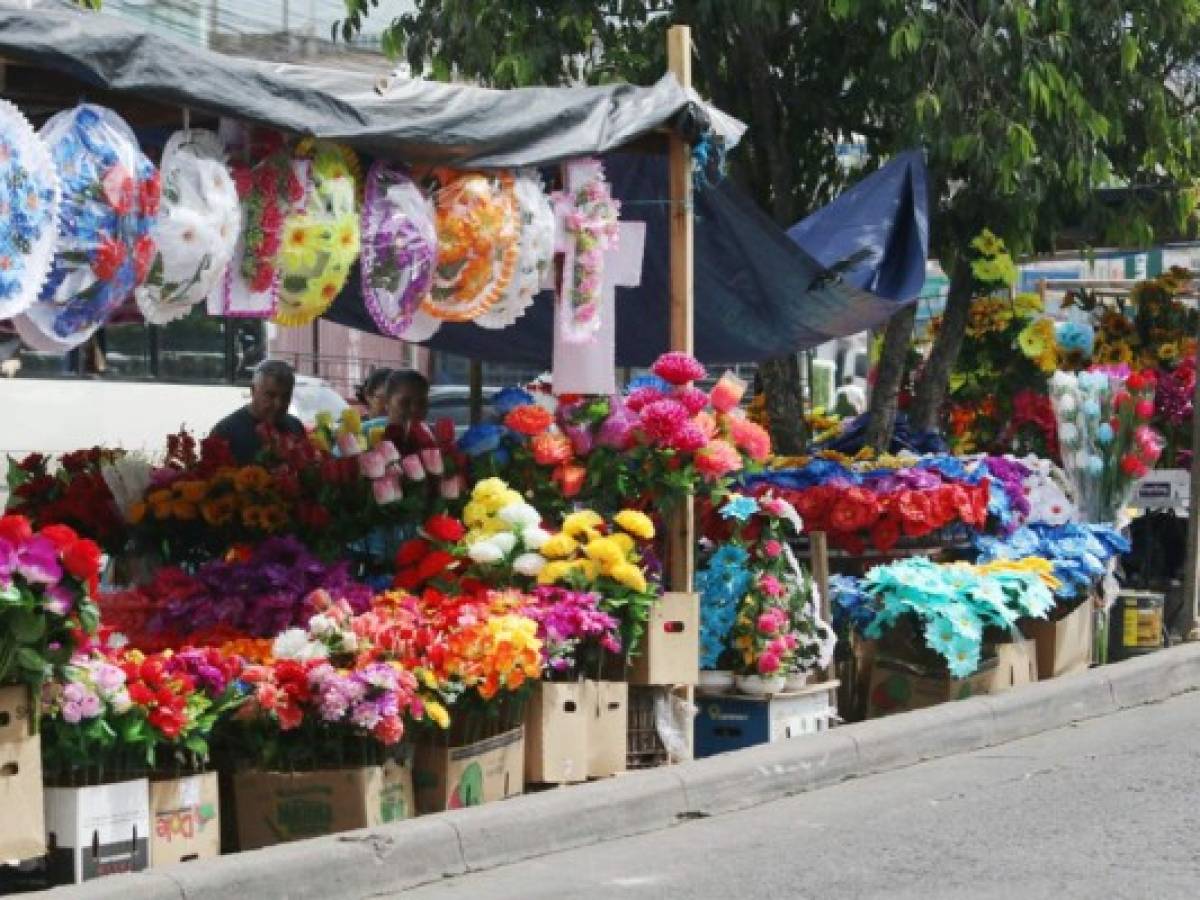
(877, 232)
(758, 293)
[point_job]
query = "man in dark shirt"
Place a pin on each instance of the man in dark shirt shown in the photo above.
(270, 397)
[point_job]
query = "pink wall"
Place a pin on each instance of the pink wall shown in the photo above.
(346, 355)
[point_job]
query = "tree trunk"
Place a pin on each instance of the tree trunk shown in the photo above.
(930, 392)
(785, 407)
(885, 393)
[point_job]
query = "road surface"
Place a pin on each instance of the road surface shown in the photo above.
(1105, 809)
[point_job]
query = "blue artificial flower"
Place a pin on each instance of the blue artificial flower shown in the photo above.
(963, 659)
(1091, 409)
(510, 398)
(1104, 434)
(1075, 337)
(480, 439)
(729, 556)
(739, 507)
(647, 381)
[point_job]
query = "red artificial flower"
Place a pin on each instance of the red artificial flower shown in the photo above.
(913, 507)
(117, 186)
(435, 564)
(60, 535)
(551, 449)
(885, 533)
(529, 420)
(139, 693)
(411, 552)
(108, 258)
(444, 431)
(812, 504)
(1135, 382)
(678, 368)
(149, 194)
(263, 278)
(570, 479)
(243, 180)
(143, 256)
(15, 529)
(82, 559)
(445, 528)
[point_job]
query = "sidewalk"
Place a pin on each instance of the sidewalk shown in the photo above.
(427, 849)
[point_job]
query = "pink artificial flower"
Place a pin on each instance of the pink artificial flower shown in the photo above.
(1144, 409)
(693, 398)
(768, 664)
(707, 424)
(372, 464)
(431, 458)
(772, 549)
(768, 623)
(662, 419)
(727, 393)
(718, 459)
(771, 586)
(617, 430)
(413, 470)
(678, 368)
(452, 487)
(643, 397)
(387, 450)
(688, 439)
(347, 445)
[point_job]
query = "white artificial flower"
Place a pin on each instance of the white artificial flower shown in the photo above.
(1067, 404)
(294, 644)
(322, 625)
(529, 564)
(505, 540)
(520, 515)
(486, 552)
(535, 538)
(1068, 434)
(119, 701)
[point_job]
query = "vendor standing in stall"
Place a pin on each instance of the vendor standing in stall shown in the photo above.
(270, 397)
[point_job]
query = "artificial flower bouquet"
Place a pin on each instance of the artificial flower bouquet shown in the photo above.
(69, 491)
(254, 592)
(757, 607)
(663, 440)
(1107, 441)
(947, 616)
(114, 714)
(48, 578)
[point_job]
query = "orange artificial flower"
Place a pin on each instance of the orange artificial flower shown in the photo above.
(529, 420)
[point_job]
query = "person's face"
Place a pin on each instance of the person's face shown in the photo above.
(269, 399)
(377, 404)
(409, 404)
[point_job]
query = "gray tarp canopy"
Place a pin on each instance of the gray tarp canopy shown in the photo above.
(757, 293)
(411, 119)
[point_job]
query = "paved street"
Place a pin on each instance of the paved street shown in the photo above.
(1107, 809)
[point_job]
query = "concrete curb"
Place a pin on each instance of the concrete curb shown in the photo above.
(419, 851)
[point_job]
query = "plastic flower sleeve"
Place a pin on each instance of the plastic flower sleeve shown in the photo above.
(479, 231)
(197, 230)
(321, 240)
(110, 196)
(29, 201)
(270, 184)
(399, 248)
(537, 253)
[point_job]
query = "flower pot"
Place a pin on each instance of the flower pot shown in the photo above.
(716, 680)
(758, 685)
(795, 681)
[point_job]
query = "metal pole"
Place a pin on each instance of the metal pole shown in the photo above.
(1191, 574)
(475, 380)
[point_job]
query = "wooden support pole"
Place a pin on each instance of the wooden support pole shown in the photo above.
(1190, 614)
(681, 534)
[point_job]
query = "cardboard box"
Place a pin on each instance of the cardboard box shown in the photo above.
(99, 830)
(1163, 489)
(607, 707)
(900, 686)
(670, 649)
(185, 814)
(556, 746)
(1064, 647)
(276, 807)
(455, 777)
(22, 826)
(727, 722)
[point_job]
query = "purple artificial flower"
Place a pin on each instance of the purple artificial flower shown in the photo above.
(37, 561)
(59, 600)
(8, 562)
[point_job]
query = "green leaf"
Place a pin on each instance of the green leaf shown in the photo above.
(27, 626)
(30, 660)
(1130, 53)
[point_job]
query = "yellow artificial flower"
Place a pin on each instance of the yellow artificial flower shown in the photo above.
(560, 546)
(191, 491)
(579, 523)
(606, 553)
(325, 419)
(301, 240)
(345, 236)
(375, 436)
(554, 572)
(252, 478)
(437, 713)
(184, 510)
(630, 576)
(636, 523)
(350, 420)
(474, 514)
(489, 490)
(1028, 305)
(1037, 338)
(585, 567)
(320, 441)
(624, 541)
(159, 497)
